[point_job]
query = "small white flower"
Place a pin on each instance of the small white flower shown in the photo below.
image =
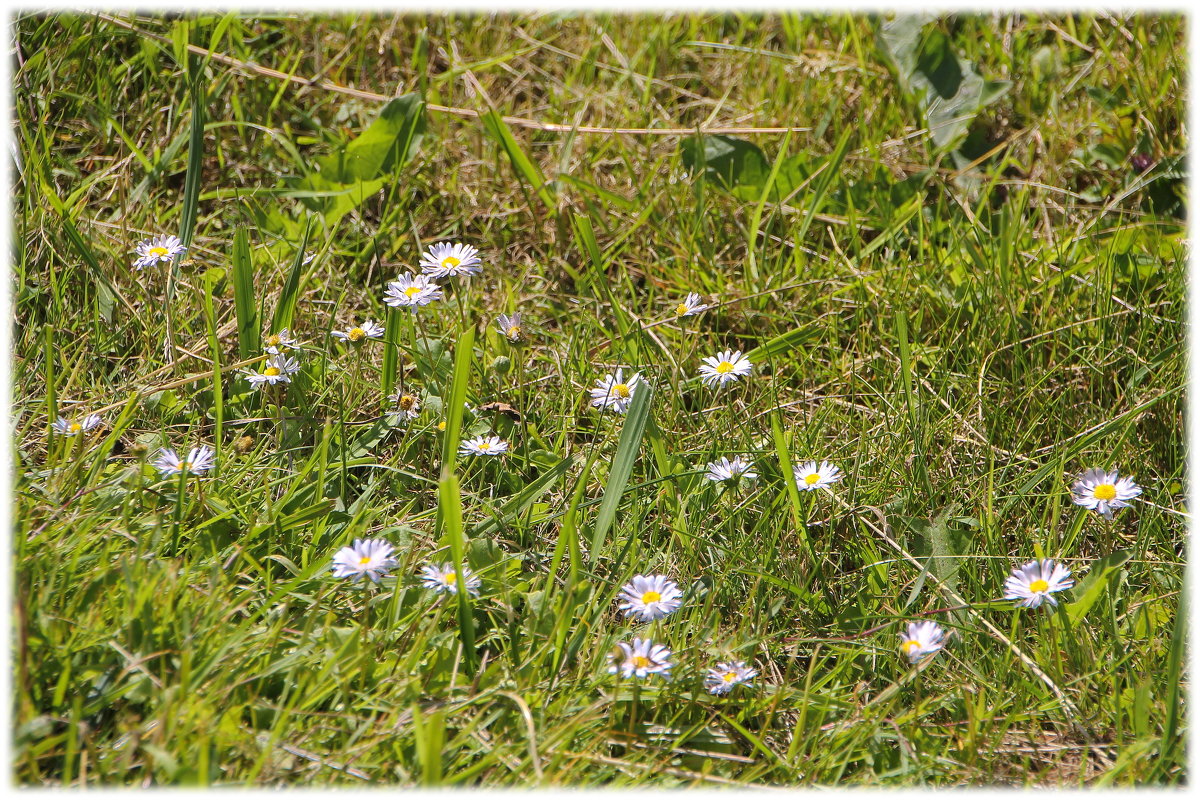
(278, 368)
(726, 470)
(690, 306)
(810, 476)
(1031, 584)
(82, 425)
(407, 405)
(446, 260)
(409, 291)
(442, 578)
(1103, 491)
(360, 333)
(199, 461)
(366, 558)
(726, 675)
(483, 446)
(280, 342)
(156, 249)
(650, 597)
(920, 639)
(510, 327)
(613, 391)
(724, 367)
(643, 658)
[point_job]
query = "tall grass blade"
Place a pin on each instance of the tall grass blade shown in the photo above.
(245, 308)
(527, 171)
(286, 308)
(622, 466)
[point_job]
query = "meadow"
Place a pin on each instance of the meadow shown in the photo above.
(821, 321)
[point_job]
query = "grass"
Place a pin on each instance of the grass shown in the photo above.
(961, 331)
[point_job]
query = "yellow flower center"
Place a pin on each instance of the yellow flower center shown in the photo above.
(356, 334)
(1039, 585)
(811, 479)
(651, 597)
(621, 390)
(75, 427)
(413, 291)
(1105, 491)
(406, 402)
(158, 251)
(273, 341)
(641, 661)
(909, 646)
(514, 332)
(442, 425)
(185, 465)
(724, 368)
(450, 262)
(485, 446)
(681, 309)
(729, 677)
(364, 560)
(451, 578)
(271, 372)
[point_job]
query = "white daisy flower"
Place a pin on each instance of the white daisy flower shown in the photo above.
(407, 405)
(643, 658)
(82, 425)
(359, 333)
(199, 461)
(724, 367)
(280, 342)
(442, 578)
(1103, 492)
(483, 446)
(920, 639)
(690, 306)
(409, 291)
(726, 470)
(279, 368)
(510, 327)
(613, 391)
(650, 597)
(156, 249)
(727, 674)
(1031, 584)
(366, 558)
(446, 260)
(810, 476)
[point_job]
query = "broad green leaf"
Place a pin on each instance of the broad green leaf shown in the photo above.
(1093, 586)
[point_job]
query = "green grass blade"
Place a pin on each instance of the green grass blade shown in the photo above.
(190, 203)
(286, 308)
(244, 305)
(528, 172)
(457, 396)
(622, 466)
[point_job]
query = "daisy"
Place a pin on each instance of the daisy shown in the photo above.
(643, 658)
(724, 367)
(1031, 584)
(1103, 491)
(64, 428)
(199, 461)
(920, 639)
(510, 327)
(277, 369)
(445, 260)
(690, 306)
(809, 476)
(409, 291)
(726, 470)
(726, 675)
(650, 597)
(483, 446)
(359, 333)
(366, 558)
(442, 578)
(156, 249)
(408, 405)
(279, 342)
(612, 391)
